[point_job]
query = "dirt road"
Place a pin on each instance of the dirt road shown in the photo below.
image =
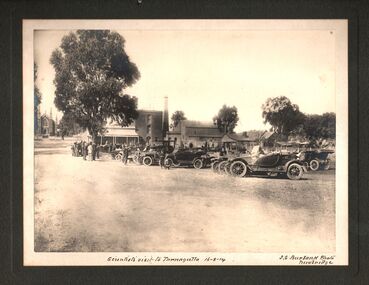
(106, 206)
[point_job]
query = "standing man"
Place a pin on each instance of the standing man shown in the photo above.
(98, 151)
(84, 150)
(93, 151)
(125, 154)
(89, 151)
(162, 158)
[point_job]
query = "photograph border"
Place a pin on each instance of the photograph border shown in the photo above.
(358, 110)
(340, 255)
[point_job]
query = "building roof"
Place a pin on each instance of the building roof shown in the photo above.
(235, 138)
(198, 124)
(121, 132)
(267, 135)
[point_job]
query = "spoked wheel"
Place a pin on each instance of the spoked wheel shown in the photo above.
(295, 171)
(198, 163)
(136, 159)
(227, 168)
(118, 156)
(168, 162)
(147, 160)
(327, 166)
(314, 165)
(214, 165)
(221, 167)
(238, 168)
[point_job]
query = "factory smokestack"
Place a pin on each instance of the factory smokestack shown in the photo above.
(165, 126)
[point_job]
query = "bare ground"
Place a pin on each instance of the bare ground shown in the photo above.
(105, 206)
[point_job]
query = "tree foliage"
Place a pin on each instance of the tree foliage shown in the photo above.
(226, 119)
(282, 115)
(36, 97)
(177, 116)
(91, 71)
(68, 125)
(320, 126)
(37, 93)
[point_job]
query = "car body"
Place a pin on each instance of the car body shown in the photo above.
(221, 162)
(151, 155)
(272, 164)
(316, 159)
(198, 158)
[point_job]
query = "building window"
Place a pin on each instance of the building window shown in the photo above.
(149, 118)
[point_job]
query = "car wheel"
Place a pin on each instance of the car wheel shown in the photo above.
(327, 166)
(238, 168)
(227, 168)
(176, 164)
(147, 160)
(118, 156)
(135, 159)
(314, 165)
(295, 171)
(214, 166)
(197, 163)
(221, 167)
(168, 162)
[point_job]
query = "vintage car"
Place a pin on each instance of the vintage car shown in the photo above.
(315, 159)
(273, 164)
(151, 155)
(221, 163)
(117, 154)
(198, 158)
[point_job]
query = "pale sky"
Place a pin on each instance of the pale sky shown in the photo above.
(200, 70)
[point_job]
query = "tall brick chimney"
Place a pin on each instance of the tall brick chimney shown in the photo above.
(165, 126)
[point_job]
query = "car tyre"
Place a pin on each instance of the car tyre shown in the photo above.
(118, 156)
(197, 163)
(147, 160)
(238, 168)
(327, 166)
(221, 166)
(295, 171)
(214, 166)
(314, 165)
(168, 162)
(227, 168)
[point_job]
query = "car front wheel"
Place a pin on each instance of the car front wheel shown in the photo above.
(118, 156)
(314, 165)
(221, 167)
(238, 168)
(198, 163)
(147, 160)
(295, 171)
(214, 165)
(168, 162)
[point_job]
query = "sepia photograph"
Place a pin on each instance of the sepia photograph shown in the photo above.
(185, 142)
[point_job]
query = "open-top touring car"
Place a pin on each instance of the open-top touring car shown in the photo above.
(198, 158)
(273, 164)
(151, 155)
(316, 159)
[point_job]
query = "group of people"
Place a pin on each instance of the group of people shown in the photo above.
(88, 150)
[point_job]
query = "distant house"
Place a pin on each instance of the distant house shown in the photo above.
(244, 140)
(196, 134)
(146, 129)
(47, 126)
(268, 139)
(150, 127)
(249, 139)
